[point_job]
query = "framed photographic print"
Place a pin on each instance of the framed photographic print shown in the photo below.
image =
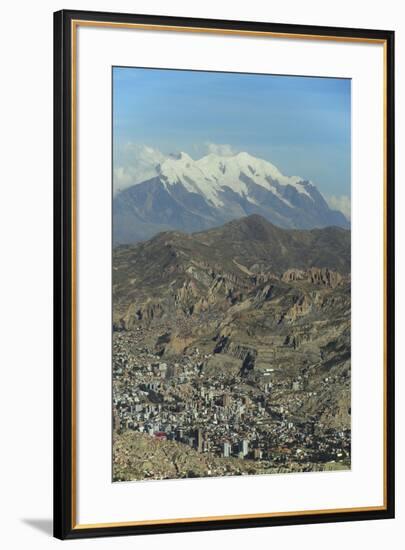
(224, 274)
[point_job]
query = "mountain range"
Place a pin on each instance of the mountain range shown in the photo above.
(175, 271)
(178, 193)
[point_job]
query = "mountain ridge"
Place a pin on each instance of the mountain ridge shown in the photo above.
(197, 195)
(241, 252)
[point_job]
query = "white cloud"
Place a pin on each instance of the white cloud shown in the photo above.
(340, 202)
(137, 163)
(222, 149)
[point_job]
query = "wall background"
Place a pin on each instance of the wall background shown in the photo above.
(26, 272)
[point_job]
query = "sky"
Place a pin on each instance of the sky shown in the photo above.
(300, 124)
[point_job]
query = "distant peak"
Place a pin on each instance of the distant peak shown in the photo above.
(180, 156)
(244, 155)
(217, 156)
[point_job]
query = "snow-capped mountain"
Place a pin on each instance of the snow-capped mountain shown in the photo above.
(177, 192)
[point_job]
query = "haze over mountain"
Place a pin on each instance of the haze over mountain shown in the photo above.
(176, 192)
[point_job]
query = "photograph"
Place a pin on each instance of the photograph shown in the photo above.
(231, 274)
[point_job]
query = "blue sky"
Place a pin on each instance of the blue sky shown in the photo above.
(300, 124)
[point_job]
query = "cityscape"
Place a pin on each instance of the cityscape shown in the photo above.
(225, 417)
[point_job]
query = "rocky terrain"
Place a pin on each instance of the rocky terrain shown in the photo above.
(232, 346)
